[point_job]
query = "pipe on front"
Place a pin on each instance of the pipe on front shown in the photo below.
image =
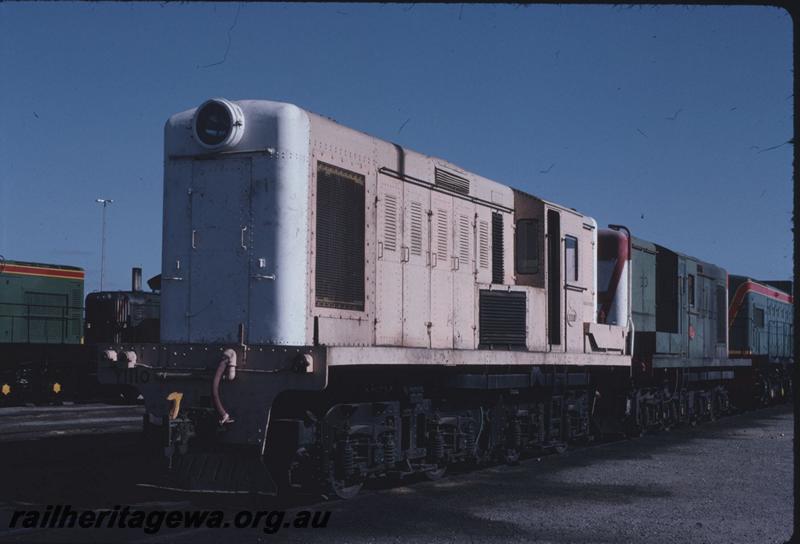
(228, 362)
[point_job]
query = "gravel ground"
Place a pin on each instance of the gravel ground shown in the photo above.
(724, 482)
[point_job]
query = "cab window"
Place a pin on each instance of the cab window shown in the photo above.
(571, 256)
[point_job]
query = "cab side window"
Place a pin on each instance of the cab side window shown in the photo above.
(571, 256)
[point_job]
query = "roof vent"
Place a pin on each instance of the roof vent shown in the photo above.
(452, 182)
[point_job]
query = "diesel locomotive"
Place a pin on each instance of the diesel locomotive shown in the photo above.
(41, 330)
(761, 324)
(335, 307)
(47, 348)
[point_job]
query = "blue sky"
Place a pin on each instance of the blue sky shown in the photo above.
(660, 118)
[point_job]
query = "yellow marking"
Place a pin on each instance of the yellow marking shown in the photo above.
(175, 397)
(56, 387)
(6, 389)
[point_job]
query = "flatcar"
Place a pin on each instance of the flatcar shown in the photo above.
(335, 307)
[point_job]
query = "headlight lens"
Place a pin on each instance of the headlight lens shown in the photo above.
(218, 124)
(214, 123)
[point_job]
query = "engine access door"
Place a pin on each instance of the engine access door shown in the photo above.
(390, 258)
(220, 198)
(695, 322)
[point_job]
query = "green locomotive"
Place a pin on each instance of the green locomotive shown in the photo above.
(41, 329)
(47, 344)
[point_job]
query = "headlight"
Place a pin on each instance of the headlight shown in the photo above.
(218, 123)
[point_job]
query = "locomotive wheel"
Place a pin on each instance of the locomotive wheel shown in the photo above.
(634, 431)
(297, 475)
(436, 473)
(346, 490)
(344, 481)
(511, 456)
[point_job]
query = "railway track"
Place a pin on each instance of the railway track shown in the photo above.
(24, 423)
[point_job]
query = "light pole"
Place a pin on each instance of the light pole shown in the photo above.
(105, 202)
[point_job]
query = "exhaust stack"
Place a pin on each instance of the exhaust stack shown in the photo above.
(136, 279)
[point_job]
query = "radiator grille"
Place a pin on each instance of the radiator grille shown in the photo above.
(452, 182)
(502, 319)
(340, 238)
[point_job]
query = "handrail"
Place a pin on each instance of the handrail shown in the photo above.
(33, 313)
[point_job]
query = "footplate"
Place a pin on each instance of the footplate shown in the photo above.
(220, 473)
(209, 468)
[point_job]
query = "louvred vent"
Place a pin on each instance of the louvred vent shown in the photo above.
(502, 319)
(452, 182)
